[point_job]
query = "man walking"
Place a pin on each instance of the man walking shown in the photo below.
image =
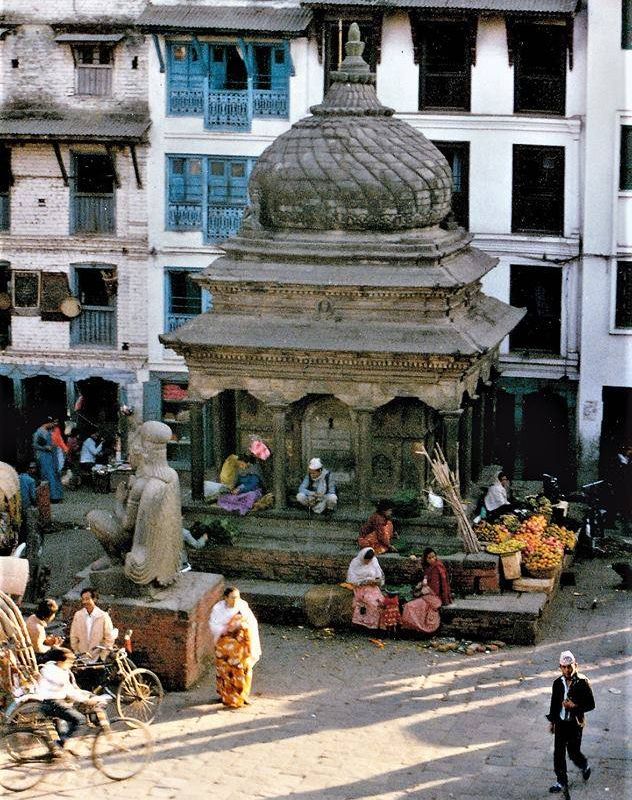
(571, 698)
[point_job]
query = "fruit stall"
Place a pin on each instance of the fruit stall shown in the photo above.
(531, 546)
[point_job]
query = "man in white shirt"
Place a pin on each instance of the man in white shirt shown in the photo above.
(497, 500)
(90, 450)
(91, 627)
(55, 688)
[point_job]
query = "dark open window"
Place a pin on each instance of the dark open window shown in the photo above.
(626, 24)
(445, 65)
(5, 186)
(538, 189)
(539, 289)
(625, 172)
(336, 35)
(458, 157)
(95, 286)
(540, 68)
(623, 305)
(93, 194)
(184, 299)
(5, 305)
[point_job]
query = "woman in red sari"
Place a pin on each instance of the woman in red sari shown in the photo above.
(377, 532)
(422, 613)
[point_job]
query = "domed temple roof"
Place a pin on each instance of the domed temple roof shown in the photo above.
(342, 278)
(352, 165)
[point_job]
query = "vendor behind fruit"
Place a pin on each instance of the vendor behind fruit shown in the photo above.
(496, 500)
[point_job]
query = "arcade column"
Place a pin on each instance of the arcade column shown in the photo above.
(196, 408)
(365, 454)
(279, 466)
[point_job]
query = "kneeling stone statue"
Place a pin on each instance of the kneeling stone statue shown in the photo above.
(145, 531)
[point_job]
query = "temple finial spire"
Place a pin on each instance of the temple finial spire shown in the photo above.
(354, 64)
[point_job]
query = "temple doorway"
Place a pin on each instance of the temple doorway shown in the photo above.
(329, 432)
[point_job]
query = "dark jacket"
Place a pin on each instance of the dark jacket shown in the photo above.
(579, 692)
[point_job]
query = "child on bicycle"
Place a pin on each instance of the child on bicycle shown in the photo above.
(56, 687)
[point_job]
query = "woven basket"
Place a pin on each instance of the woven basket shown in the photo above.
(543, 573)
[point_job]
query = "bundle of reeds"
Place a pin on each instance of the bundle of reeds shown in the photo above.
(448, 485)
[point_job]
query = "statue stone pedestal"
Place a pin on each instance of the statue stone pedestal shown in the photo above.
(170, 625)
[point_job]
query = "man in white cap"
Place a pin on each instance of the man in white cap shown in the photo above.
(571, 698)
(317, 492)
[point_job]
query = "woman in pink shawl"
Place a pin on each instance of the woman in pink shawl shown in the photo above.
(422, 613)
(366, 575)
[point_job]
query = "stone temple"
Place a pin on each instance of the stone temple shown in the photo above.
(348, 319)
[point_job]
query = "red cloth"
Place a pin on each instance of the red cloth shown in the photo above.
(437, 577)
(422, 614)
(377, 532)
(367, 605)
(389, 615)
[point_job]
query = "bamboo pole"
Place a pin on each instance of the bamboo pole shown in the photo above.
(448, 484)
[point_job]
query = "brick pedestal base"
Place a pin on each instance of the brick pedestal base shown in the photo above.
(170, 628)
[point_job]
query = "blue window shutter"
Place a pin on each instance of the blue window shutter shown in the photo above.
(280, 68)
(152, 400)
(168, 294)
(207, 300)
(217, 67)
(187, 72)
(178, 67)
(194, 174)
(177, 168)
(238, 180)
(218, 180)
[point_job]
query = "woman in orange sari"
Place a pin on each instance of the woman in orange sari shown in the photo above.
(237, 649)
(377, 532)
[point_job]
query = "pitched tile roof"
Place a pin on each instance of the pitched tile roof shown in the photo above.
(45, 123)
(292, 20)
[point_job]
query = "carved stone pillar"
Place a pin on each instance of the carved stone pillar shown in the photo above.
(465, 449)
(450, 436)
(196, 409)
(365, 456)
(279, 457)
(478, 436)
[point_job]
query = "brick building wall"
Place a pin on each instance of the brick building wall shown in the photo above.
(38, 73)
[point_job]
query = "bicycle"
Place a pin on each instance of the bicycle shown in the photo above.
(137, 691)
(120, 749)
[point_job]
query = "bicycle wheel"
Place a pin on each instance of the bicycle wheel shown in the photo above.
(139, 695)
(122, 750)
(28, 713)
(24, 756)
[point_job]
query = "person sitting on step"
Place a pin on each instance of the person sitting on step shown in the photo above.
(317, 492)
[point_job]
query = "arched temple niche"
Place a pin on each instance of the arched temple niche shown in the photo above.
(396, 429)
(328, 430)
(254, 418)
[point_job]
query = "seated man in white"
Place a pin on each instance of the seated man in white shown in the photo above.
(317, 492)
(91, 628)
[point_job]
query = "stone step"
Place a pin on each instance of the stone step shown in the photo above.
(512, 617)
(324, 563)
(297, 523)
